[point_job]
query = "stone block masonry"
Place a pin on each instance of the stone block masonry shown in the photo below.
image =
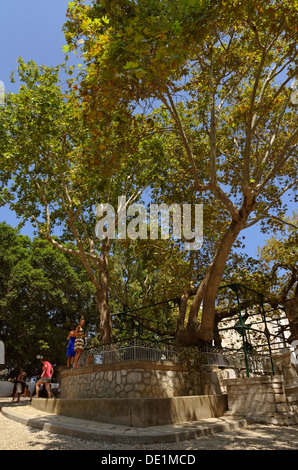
(261, 398)
(136, 393)
(137, 412)
(126, 379)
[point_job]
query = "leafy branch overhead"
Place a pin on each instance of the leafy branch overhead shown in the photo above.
(221, 74)
(54, 171)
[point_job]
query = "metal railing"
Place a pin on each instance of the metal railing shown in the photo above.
(151, 339)
(128, 350)
(138, 349)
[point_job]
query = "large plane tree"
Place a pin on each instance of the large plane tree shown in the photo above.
(226, 68)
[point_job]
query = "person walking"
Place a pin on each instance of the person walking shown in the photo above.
(20, 386)
(45, 378)
(70, 352)
(79, 344)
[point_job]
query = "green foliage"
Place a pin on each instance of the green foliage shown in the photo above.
(56, 168)
(142, 43)
(194, 360)
(278, 264)
(236, 57)
(272, 273)
(42, 297)
(189, 98)
(220, 74)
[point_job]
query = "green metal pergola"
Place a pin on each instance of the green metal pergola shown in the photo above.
(137, 324)
(243, 328)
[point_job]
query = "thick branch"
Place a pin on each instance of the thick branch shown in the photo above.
(172, 109)
(213, 143)
(250, 125)
(81, 252)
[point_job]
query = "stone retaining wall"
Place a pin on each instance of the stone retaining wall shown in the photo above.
(126, 379)
(134, 393)
(257, 395)
(139, 412)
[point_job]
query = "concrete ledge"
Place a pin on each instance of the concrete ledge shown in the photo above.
(93, 430)
(142, 412)
(124, 365)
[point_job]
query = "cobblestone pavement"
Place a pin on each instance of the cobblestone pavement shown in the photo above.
(16, 436)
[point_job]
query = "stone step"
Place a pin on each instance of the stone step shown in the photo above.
(292, 398)
(289, 389)
(291, 392)
(288, 418)
(293, 408)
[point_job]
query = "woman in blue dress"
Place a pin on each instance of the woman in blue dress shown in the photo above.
(70, 348)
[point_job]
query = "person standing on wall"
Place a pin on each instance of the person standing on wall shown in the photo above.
(79, 342)
(70, 352)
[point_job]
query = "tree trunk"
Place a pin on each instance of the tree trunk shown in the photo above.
(182, 312)
(214, 279)
(291, 306)
(105, 323)
(197, 332)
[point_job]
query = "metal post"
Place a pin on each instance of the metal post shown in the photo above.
(243, 329)
(267, 334)
(134, 348)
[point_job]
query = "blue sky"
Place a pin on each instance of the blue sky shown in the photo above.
(32, 29)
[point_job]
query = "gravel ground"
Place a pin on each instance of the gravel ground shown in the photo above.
(16, 436)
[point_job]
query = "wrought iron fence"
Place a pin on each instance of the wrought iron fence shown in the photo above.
(168, 352)
(128, 350)
(150, 336)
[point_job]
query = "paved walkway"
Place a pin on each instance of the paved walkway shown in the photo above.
(92, 430)
(25, 428)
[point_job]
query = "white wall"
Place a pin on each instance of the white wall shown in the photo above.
(5, 388)
(2, 355)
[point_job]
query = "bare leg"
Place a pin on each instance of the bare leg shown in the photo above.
(48, 388)
(37, 389)
(77, 357)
